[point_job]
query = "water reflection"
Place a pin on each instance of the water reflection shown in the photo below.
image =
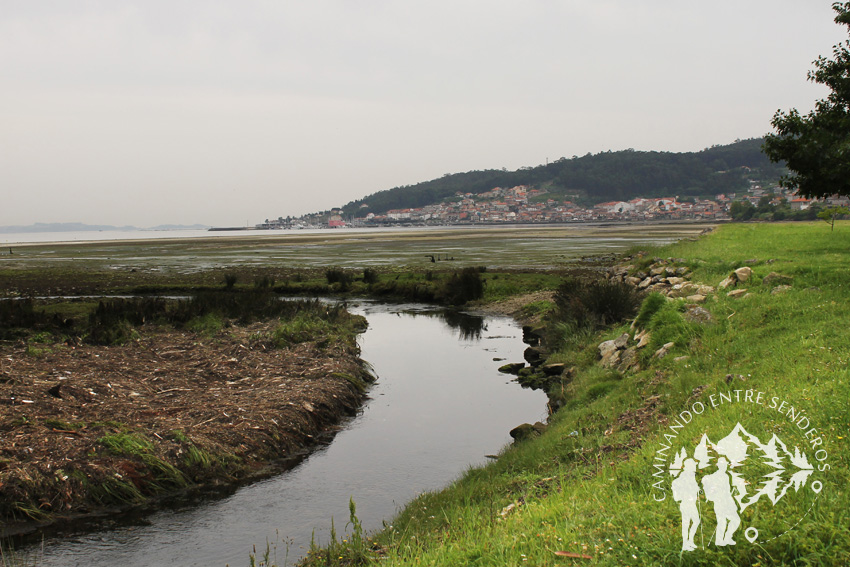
(439, 406)
(469, 326)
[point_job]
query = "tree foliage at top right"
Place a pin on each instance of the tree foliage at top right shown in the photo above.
(816, 147)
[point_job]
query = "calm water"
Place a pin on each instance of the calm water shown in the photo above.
(440, 405)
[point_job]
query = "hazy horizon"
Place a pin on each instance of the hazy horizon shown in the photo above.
(150, 113)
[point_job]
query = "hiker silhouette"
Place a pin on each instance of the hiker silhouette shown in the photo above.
(718, 489)
(686, 493)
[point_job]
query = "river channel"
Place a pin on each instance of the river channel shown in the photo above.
(439, 406)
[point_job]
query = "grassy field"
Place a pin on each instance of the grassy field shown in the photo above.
(586, 491)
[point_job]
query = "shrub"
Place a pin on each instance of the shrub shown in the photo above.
(370, 275)
(336, 275)
(265, 282)
(462, 287)
(594, 304)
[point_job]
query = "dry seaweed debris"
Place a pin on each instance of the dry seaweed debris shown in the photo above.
(85, 428)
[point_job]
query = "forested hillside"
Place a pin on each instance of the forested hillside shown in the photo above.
(607, 176)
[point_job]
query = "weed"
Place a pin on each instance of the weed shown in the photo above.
(207, 325)
(650, 306)
(264, 283)
(354, 550)
(179, 435)
(370, 275)
(126, 444)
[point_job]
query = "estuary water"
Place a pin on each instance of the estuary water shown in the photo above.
(439, 406)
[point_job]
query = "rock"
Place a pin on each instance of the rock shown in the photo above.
(553, 369)
(780, 289)
(611, 359)
(55, 391)
(684, 289)
(743, 274)
(628, 359)
(662, 352)
(512, 367)
(697, 314)
(695, 298)
(777, 279)
(621, 341)
(524, 431)
(681, 358)
(632, 281)
(606, 348)
(705, 290)
(727, 282)
(533, 380)
(657, 271)
(532, 335)
(645, 283)
(644, 340)
(681, 271)
(675, 281)
(735, 293)
(534, 355)
(540, 427)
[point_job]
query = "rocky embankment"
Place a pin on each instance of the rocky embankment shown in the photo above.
(672, 279)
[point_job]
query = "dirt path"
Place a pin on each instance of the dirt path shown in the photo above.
(89, 428)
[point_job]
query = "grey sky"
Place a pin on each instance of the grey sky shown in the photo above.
(149, 112)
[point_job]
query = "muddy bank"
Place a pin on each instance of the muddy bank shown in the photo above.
(88, 430)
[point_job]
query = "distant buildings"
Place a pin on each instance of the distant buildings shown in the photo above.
(523, 205)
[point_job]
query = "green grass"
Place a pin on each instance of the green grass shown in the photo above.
(585, 485)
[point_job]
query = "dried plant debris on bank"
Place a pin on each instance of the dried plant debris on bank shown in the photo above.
(83, 428)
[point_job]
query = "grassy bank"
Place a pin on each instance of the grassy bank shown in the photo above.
(586, 490)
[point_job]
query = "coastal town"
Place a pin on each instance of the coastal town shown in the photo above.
(525, 205)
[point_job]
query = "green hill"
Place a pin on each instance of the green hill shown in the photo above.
(601, 177)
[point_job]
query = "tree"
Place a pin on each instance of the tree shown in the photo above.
(742, 210)
(816, 147)
(831, 213)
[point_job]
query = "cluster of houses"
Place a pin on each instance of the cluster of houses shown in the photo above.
(522, 204)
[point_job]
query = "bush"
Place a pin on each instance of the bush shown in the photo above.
(462, 287)
(370, 276)
(338, 276)
(594, 304)
(265, 282)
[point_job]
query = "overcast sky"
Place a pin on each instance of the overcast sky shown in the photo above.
(151, 112)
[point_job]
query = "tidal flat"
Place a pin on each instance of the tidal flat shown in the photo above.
(496, 247)
(74, 267)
